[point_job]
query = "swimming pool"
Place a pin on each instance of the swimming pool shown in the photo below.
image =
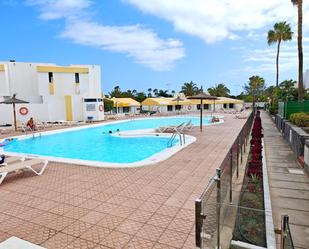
(94, 145)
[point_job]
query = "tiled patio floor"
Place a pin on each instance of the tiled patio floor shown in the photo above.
(73, 206)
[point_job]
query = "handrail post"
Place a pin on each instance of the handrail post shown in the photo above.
(198, 223)
(218, 180)
(231, 173)
(284, 225)
(237, 162)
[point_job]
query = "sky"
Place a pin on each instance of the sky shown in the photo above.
(161, 44)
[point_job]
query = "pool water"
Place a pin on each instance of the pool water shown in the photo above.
(96, 144)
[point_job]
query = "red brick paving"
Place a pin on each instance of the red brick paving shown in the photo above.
(73, 206)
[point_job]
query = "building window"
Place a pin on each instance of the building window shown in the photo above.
(198, 106)
(170, 108)
(206, 106)
(76, 77)
(126, 109)
(231, 105)
(224, 106)
(50, 77)
(178, 107)
(51, 83)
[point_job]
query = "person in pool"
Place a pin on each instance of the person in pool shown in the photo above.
(31, 125)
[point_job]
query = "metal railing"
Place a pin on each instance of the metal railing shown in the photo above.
(286, 236)
(210, 210)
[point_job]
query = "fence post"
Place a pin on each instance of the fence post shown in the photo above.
(231, 173)
(218, 180)
(284, 226)
(237, 162)
(198, 223)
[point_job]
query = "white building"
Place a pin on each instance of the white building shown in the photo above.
(71, 93)
(170, 105)
(306, 79)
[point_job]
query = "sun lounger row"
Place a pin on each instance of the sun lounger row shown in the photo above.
(14, 164)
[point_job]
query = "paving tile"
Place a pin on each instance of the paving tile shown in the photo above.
(90, 204)
(80, 244)
(59, 241)
(162, 246)
(116, 240)
(150, 232)
(140, 216)
(60, 223)
(129, 227)
(106, 207)
(181, 225)
(160, 220)
(95, 234)
(93, 217)
(139, 243)
(110, 221)
(168, 210)
(77, 228)
(173, 238)
(4, 236)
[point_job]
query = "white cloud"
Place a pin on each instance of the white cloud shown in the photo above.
(214, 20)
(58, 9)
(139, 43)
(264, 60)
(136, 41)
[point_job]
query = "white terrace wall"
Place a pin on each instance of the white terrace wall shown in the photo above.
(37, 111)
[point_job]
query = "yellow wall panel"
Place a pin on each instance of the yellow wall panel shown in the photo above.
(68, 107)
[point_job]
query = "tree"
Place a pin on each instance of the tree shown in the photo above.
(108, 105)
(299, 4)
(189, 88)
(163, 93)
(287, 90)
(281, 32)
(255, 87)
(140, 96)
(155, 92)
(116, 92)
(149, 92)
(219, 90)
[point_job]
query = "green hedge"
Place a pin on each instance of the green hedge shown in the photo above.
(300, 119)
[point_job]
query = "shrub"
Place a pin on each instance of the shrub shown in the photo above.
(300, 119)
(273, 109)
(108, 105)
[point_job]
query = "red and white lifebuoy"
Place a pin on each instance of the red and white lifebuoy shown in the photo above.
(189, 107)
(23, 111)
(101, 108)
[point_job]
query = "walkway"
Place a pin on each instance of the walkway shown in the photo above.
(73, 206)
(289, 191)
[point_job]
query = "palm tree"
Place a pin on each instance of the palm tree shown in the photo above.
(219, 90)
(155, 92)
(281, 32)
(255, 87)
(299, 4)
(149, 92)
(189, 89)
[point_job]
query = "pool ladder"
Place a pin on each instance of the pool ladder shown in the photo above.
(33, 133)
(176, 133)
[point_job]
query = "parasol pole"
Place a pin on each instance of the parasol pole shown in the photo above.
(15, 125)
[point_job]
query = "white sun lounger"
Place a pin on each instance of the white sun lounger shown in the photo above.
(170, 128)
(27, 164)
(12, 159)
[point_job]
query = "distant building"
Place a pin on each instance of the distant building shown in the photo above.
(170, 105)
(126, 106)
(306, 79)
(71, 93)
